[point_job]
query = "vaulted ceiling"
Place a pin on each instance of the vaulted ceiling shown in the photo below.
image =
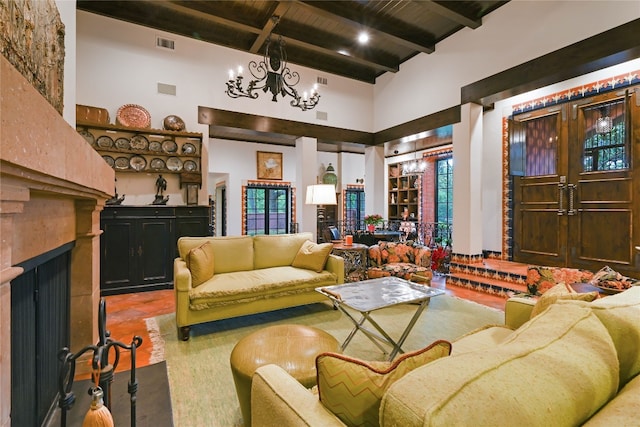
(318, 34)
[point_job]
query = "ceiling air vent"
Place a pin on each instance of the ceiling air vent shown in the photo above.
(165, 43)
(322, 81)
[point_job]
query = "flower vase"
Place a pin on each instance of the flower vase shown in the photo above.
(371, 227)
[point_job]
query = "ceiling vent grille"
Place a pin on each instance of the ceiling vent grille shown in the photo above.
(165, 43)
(322, 81)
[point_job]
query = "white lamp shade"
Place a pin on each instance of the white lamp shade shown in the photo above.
(321, 194)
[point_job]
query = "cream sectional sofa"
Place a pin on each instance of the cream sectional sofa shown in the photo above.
(575, 363)
(250, 274)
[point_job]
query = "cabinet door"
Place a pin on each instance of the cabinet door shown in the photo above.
(117, 253)
(155, 242)
(192, 222)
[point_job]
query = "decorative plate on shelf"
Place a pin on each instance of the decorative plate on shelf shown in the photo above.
(109, 160)
(139, 142)
(173, 123)
(174, 164)
(104, 142)
(190, 166)
(157, 164)
(155, 146)
(169, 146)
(123, 143)
(122, 163)
(132, 115)
(138, 163)
(188, 148)
(88, 136)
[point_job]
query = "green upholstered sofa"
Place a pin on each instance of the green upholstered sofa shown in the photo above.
(575, 363)
(250, 274)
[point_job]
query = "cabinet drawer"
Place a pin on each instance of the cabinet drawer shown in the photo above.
(192, 212)
(137, 212)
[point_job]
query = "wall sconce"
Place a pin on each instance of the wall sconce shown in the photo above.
(360, 181)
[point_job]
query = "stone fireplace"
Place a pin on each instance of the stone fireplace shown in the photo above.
(53, 186)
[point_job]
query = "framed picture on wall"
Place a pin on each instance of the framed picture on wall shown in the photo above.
(269, 165)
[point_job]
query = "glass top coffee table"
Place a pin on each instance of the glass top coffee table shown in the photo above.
(367, 296)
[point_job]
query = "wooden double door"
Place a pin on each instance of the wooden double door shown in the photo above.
(576, 184)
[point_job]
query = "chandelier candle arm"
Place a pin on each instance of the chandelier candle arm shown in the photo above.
(272, 74)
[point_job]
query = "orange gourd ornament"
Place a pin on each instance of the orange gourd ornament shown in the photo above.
(98, 415)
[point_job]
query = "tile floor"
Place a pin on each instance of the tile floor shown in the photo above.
(126, 315)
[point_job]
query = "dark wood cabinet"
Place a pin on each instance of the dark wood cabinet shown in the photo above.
(138, 245)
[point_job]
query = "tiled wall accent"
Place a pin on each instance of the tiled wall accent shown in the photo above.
(467, 259)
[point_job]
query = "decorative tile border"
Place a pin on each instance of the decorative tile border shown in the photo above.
(480, 287)
(467, 259)
(483, 272)
(579, 92)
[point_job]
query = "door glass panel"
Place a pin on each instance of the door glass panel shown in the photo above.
(604, 145)
(541, 136)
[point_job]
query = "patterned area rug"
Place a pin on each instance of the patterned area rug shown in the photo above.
(202, 389)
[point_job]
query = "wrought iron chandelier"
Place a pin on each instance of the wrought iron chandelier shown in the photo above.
(272, 74)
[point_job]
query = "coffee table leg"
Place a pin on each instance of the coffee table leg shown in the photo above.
(358, 327)
(412, 322)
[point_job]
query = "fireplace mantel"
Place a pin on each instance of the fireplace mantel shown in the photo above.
(53, 186)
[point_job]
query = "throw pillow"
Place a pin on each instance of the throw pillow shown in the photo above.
(541, 279)
(312, 256)
(352, 389)
(561, 291)
(200, 262)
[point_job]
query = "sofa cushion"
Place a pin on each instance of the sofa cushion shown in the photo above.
(561, 291)
(277, 250)
(557, 369)
(232, 253)
(622, 410)
(312, 256)
(246, 286)
(620, 314)
(200, 262)
(352, 389)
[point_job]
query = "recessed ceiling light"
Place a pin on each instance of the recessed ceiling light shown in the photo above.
(363, 38)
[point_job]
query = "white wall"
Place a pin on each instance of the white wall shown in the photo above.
(515, 33)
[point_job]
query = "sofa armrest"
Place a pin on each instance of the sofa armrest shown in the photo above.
(278, 399)
(181, 286)
(517, 311)
(335, 265)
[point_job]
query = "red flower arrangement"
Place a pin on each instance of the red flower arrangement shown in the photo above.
(438, 257)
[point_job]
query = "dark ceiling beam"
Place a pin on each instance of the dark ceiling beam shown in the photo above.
(203, 16)
(442, 9)
(280, 9)
(420, 41)
(603, 50)
(231, 119)
(421, 124)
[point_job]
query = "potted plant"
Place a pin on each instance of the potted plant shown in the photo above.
(372, 220)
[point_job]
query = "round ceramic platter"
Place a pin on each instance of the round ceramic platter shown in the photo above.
(122, 163)
(188, 148)
(123, 143)
(169, 146)
(190, 166)
(132, 115)
(138, 163)
(139, 142)
(174, 164)
(155, 146)
(109, 160)
(157, 164)
(88, 136)
(104, 142)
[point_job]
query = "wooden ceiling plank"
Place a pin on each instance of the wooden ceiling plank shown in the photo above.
(203, 16)
(370, 22)
(442, 9)
(279, 11)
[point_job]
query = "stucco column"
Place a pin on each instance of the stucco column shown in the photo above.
(467, 184)
(375, 177)
(307, 161)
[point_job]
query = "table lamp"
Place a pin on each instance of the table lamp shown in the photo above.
(320, 195)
